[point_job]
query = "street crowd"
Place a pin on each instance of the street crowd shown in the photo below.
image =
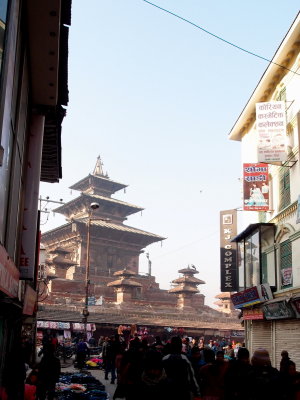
(175, 369)
(181, 369)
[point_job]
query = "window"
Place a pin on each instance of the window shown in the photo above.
(256, 256)
(286, 264)
(284, 188)
(252, 260)
(137, 293)
(241, 268)
(264, 268)
(282, 95)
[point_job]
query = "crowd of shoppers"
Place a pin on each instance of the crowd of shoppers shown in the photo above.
(181, 369)
(177, 369)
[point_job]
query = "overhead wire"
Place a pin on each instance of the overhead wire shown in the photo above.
(219, 37)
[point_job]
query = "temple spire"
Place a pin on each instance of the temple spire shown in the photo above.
(98, 167)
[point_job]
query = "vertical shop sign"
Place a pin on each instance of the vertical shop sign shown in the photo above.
(256, 187)
(228, 251)
(271, 131)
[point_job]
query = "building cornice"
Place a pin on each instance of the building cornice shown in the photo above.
(286, 212)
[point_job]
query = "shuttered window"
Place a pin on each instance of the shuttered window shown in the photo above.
(284, 188)
(286, 264)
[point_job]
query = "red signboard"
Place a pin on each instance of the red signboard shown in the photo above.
(256, 187)
(255, 313)
(9, 274)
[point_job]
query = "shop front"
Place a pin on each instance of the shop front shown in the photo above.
(64, 331)
(275, 326)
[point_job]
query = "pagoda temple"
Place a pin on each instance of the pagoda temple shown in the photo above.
(95, 243)
(186, 287)
(124, 286)
(112, 244)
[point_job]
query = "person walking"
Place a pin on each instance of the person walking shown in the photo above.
(263, 380)
(48, 374)
(212, 377)
(236, 377)
(111, 350)
(181, 381)
(82, 351)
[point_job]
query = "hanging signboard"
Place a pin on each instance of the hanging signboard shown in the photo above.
(253, 313)
(278, 310)
(228, 230)
(256, 187)
(254, 295)
(295, 303)
(271, 131)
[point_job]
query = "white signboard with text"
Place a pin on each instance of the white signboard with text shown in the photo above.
(271, 131)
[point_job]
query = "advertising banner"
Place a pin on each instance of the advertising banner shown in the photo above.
(286, 276)
(271, 131)
(254, 295)
(296, 306)
(228, 251)
(278, 310)
(253, 313)
(256, 187)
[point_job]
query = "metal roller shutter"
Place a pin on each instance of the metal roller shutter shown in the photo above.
(287, 337)
(261, 336)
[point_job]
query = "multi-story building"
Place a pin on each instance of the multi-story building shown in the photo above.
(268, 244)
(34, 93)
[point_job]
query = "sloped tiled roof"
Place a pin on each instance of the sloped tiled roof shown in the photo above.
(119, 227)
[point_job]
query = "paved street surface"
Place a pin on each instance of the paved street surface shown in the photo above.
(97, 373)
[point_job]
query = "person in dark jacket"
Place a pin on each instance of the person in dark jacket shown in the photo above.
(48, 374)
(236, 377)
(82, 351)
(181, 380)
(153, 383)
(263, 381)
(110, 358)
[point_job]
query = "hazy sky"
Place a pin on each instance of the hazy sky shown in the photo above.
(156, 97)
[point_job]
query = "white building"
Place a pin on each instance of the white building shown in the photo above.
(269, 243)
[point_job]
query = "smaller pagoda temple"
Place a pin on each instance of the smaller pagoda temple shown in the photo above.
(186, 287)
(125, 287)
(224, 303)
